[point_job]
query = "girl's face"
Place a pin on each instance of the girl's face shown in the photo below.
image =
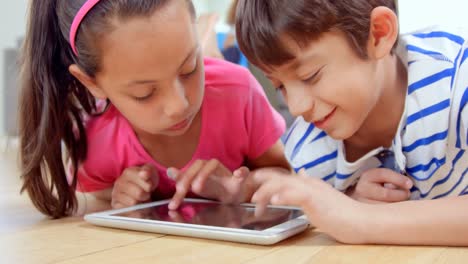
(329, 85)
(152, 70)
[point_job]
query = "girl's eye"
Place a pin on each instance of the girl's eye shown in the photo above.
(195, 68)
(143, 98)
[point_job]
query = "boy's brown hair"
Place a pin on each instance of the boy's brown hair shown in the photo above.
(260, 25)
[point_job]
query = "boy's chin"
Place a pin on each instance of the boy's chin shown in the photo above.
(340, 134)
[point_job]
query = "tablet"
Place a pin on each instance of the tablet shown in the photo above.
(207, 219)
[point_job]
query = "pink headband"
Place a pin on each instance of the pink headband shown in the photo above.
(87, 6)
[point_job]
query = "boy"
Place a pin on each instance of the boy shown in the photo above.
(381, 119)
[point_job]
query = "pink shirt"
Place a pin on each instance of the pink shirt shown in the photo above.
(238, 123)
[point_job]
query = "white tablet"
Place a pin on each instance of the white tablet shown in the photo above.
(207, 219)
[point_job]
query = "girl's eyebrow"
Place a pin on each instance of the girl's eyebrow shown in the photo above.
(191, 53)
(140, 82)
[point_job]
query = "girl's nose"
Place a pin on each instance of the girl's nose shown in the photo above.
(176, 100)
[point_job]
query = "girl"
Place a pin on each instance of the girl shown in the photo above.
(166, 107)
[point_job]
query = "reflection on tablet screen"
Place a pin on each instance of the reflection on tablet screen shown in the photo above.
(214, 214)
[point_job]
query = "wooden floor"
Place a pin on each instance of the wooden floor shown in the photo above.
(28, 237)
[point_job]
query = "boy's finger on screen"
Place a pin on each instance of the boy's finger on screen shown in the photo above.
(262, 197)
(286, 196)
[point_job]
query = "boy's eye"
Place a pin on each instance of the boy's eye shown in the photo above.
(312, 77)
(279, 88)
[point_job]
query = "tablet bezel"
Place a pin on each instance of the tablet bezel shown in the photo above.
(265, 237)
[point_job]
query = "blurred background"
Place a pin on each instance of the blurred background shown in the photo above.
(414, 14)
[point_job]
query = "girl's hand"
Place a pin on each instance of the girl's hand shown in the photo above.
(329, 210)
(134, 186)
(381, 186)
(209, 179)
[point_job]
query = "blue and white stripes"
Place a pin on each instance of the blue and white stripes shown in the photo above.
(432, 139)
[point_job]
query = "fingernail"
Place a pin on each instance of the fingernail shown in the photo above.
(254, 198)
(172, 205)
(171, 173)
(197, 185)
(258, 211)
(275, 199)
(409, 184)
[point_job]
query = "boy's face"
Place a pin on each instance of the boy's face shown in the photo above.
(329, 85)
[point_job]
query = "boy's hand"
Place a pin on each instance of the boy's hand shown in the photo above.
(327, 209)
(134, 186)
(381, 186)
(209, 179)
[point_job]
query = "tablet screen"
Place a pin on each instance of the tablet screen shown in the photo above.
(215, 214)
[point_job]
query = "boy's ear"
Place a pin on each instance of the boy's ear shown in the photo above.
(87, 81)
(383, 32)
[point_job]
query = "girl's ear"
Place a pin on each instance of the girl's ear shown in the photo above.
(87, 81)
(383, 32)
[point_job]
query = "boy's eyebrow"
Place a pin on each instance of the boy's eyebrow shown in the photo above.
(140, 82)
(296, 63)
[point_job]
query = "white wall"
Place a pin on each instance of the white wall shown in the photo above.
(12, 27)
(413, 14)
(416, 14)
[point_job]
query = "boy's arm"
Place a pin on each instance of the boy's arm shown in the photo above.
(424, 222)
(272, 161)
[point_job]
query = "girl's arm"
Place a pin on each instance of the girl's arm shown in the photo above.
(105, 195)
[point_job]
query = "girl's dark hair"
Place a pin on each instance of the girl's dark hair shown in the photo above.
(53, 103)
(260, 25)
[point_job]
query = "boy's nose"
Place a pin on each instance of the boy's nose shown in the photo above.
(176, 101)
(299, 104)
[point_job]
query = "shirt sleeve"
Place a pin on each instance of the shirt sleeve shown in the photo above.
(460, 101)
(264, 124)
(92, 178)
(102, 165)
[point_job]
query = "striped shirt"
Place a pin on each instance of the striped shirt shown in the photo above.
(431, 141)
